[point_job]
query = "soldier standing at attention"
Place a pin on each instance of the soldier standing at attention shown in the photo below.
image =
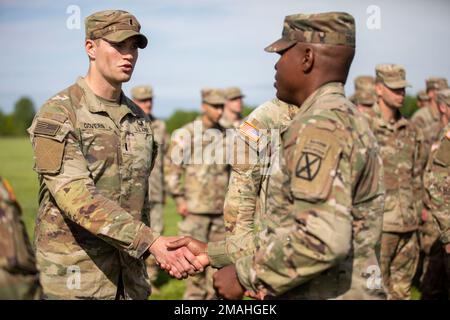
(200, 197)
(428, 118)
(324, 202)
(94, 150)
(143, 98)
(401, 146)
(436, 277)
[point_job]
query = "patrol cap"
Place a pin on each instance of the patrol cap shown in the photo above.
(213, 96)
(437, 83)
(233, 93)
(443, 96)
(365, 83)
(142, 92)
(392, 76)
(423, 96)
(114, 26)
(366, 97)
(332, 28)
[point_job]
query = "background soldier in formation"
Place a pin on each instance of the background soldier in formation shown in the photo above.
(364, 96)
(200, 197)
(435, 281)
(19, 277)
(143, 97)
(232, 110)
(401, 146)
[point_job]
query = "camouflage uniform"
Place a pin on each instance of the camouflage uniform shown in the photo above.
(242, 200)
(19, 278)
(324, 201)
(156, 191)
(204, 187)
(436, 280)
(93, 159)
(401, 148)
(364, 91)
(429, 120)
(231, 93)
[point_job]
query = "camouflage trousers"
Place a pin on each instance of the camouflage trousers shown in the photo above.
(204, 227)
(399, 260)
(157, 224)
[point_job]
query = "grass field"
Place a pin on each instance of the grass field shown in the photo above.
(16, 165)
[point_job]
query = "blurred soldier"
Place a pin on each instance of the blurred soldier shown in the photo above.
(435, 281)
(232, 110)
(423, 99)
(94, 150)
(401, 145)
(19, 278)
(325, 199)
(427, 119)
(364, 96)
(201, 197)
(143, 97)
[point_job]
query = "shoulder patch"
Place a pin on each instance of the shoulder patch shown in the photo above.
(249, 130)
(314, 163)
(46, 127)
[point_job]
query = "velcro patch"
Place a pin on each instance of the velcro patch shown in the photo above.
(46, 128)
(250, 131)
(49, 154)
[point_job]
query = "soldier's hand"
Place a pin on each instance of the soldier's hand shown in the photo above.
(178, 263)
(182, 207)
(255, 295)
(227, 285)
(197, 247)
(424, 214)
(447, 248)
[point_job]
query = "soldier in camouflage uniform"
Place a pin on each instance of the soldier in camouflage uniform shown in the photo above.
(94, 150)
(143, 97)
(201, 197)
(423, 99)
(232, 110)
(436, 277)
(364, 96)
(428, 118)
(19, 278)
(401, 146)
(322, 212)
(437, 184)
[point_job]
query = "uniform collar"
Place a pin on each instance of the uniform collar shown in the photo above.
(393, 125)
(95, 105)
(326, 89)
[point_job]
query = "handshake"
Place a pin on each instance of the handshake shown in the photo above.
(185, 256)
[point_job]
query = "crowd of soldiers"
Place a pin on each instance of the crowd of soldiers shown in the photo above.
(347, 199)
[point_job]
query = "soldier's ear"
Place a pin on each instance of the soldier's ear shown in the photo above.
(308, 59)
(90, 46)
(379, 89)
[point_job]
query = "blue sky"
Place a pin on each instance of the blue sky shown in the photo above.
(198, 43)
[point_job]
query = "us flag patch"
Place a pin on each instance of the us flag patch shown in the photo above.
(250, 131)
